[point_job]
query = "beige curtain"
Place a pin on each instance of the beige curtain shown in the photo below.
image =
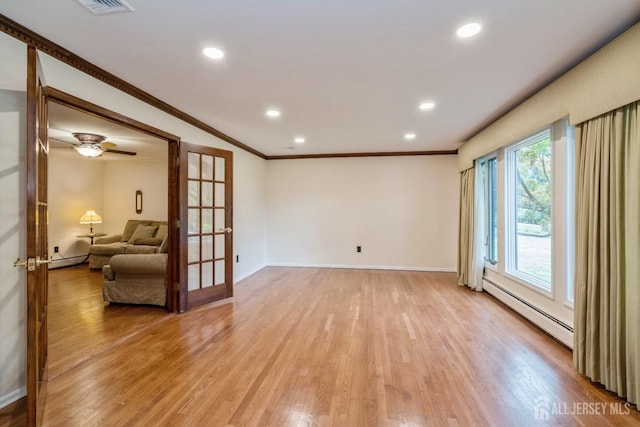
(465, 226)
(607, 265)
(470, 233)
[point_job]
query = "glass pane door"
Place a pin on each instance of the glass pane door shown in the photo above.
(208, 224)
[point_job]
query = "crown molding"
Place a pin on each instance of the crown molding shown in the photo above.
(79, 104)
(371, 154)
(44, 45)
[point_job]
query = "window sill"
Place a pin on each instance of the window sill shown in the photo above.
(491, 266)
(531, 285)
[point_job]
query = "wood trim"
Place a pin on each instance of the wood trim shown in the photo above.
(372, 154)
(33, 39)
(228, 203)
(32, 201)
(183, 212)
(173, 215)
(95, 110)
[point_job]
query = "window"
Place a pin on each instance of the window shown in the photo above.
(525, 196)
(529, 215)
(489, 177)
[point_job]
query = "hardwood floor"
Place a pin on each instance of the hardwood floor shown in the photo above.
(308, 346)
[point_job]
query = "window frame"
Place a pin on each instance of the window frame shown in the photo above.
(511, 217)
(489, 182)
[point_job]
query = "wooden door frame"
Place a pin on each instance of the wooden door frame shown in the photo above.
(173, 273)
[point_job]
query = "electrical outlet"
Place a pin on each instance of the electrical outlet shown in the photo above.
(56, 249)
(358, 248)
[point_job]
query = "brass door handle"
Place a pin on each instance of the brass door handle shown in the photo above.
(226, 230)
(30, 263)
(18, 263)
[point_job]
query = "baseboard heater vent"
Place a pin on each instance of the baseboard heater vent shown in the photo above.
(67, 261)
(533, 307)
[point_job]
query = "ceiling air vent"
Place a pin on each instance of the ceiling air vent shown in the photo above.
(106, 7)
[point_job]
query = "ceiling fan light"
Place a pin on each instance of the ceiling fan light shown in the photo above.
(89, 150)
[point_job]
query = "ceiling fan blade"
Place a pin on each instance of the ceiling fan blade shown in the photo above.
(60, 140)
(104, 146)
(127, 153)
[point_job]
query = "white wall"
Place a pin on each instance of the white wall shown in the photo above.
(106, 186)
(249, 216)
(13, 289)
(75, 185)
(121, 180)
(402, 211)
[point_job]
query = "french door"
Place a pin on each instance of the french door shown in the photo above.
(206, 215)
(37, 244)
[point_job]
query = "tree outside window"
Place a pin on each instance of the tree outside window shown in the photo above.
(533, 208)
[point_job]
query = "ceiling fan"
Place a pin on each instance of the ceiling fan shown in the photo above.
(93, 145)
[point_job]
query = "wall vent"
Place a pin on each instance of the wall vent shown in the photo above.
(106, 7)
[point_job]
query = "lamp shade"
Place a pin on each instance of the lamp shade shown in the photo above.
(91, 217)
(89, 150)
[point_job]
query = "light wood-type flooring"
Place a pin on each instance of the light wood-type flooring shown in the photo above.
(310, 346)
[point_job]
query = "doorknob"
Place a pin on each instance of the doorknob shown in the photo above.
(18, 263)
(43, 261)
(226, 229)
(30, 263)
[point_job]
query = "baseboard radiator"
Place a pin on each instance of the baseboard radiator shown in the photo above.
(67, 262)
(548, 323)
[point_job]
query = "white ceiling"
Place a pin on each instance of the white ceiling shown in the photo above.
(348, 75)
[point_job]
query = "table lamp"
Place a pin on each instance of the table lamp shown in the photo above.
(90, 217)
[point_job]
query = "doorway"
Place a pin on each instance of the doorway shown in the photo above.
(174, 215)
(75, 110)
(105, 185)
(80, 325)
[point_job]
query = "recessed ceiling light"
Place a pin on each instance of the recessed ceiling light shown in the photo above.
(298, 140)
(213, 53)
(273, 113)
(469, 30)
(427, 105)
(409, 136)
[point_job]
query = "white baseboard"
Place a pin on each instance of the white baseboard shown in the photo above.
(361, 267)
(250, 273)
(11, 397)
(544, 322)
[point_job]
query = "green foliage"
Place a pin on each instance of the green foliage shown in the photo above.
(534, 184)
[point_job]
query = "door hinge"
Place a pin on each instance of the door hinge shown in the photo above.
(178, 162)
(176, 285)
(177, 223)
